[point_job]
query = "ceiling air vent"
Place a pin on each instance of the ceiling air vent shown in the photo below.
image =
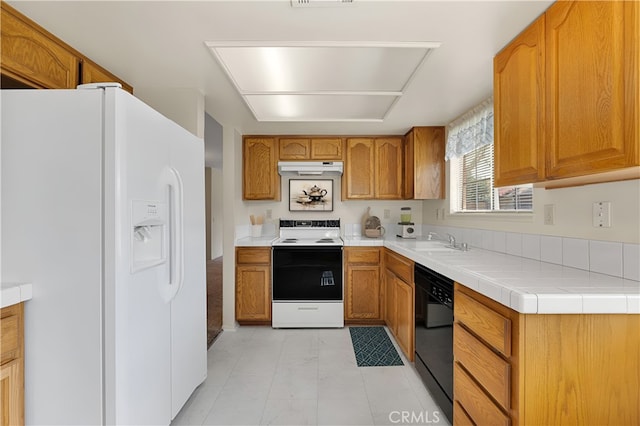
(320, 3)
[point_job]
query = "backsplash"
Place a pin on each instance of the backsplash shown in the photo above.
(605, 257)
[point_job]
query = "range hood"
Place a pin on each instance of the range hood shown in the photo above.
(310, 168)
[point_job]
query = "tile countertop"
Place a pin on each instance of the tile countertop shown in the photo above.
(255, 241)
(13, 293)
(524, 285)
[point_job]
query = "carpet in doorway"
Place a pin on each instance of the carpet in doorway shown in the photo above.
(373, 348)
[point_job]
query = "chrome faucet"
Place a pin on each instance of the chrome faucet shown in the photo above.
(452, 240)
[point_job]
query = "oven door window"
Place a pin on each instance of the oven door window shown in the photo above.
(307, 273)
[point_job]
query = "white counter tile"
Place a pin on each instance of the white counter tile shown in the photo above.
(606, 257)
(575, 253)
(531, 246)
(559, 303)
(631, 261)
(528, 285)
(255, 241)
(551, 249)
(13, 293)
(604, 303)
(514, 243)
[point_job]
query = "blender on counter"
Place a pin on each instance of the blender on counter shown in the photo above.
(407, 228)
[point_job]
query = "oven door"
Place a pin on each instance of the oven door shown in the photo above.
(307, 273)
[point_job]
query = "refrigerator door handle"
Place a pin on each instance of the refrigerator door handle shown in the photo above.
(176, 232)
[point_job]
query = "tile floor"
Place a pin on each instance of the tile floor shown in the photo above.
(262, 376)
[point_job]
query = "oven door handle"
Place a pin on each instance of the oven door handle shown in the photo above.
(308, 308)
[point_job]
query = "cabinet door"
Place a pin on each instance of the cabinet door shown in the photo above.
(404, 317)
(253, 293)
(388, 168)
(592, 90)
(33, 56)
(358, 179)
(11, 397)
(326, 149)
(260, 179)
(428, 164)
(363, 292)
(295, 148)
(518, 83)
(390, 300)
(94, 73)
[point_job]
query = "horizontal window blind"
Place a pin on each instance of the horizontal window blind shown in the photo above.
(475, 185)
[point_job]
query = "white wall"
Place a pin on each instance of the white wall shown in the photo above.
(184, 106)
(349, 212)
(573, 213)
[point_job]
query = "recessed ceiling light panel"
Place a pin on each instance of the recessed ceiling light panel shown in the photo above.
(338, 76)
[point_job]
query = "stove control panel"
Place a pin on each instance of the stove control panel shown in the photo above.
(329, 223)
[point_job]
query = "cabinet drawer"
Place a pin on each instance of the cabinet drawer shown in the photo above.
(475, 402)
(490, 370)
(253, 255)
(362, 255)
(399, 265)
(9, 339)
(486, 323)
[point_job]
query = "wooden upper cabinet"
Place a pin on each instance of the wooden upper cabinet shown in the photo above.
(592, 93)
(94, 73)
(388, 168)
(373, 168)
(300, 148)
(358, 178)
(424, 166)
(518, 90)
(295, 149)
(326, 149)
(33, 56)
(260, 179)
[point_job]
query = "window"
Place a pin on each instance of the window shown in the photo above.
(470, 152)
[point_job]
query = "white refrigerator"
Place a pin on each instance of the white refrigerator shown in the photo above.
(103, 212)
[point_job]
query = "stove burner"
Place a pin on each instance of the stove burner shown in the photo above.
(325, 240)
(290, 240)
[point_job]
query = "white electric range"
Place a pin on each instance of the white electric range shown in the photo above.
(307, 277)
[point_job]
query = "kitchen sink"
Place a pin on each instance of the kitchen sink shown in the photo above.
(434, 248)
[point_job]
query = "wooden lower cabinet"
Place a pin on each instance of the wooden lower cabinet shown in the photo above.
(253, 285)
(534, 369)
(12, 365)
(363, 287)
(399, 304)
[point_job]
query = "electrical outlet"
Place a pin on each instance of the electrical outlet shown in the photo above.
(387, 213)
(442, 213)
(602, 214)
(267, 214)
(437, 214)
(549, 213)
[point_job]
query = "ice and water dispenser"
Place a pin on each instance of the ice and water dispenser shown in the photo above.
(149, 223)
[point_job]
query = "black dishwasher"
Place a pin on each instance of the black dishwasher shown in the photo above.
(434, 335)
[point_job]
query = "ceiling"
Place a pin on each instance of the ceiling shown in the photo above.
(164, 44)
